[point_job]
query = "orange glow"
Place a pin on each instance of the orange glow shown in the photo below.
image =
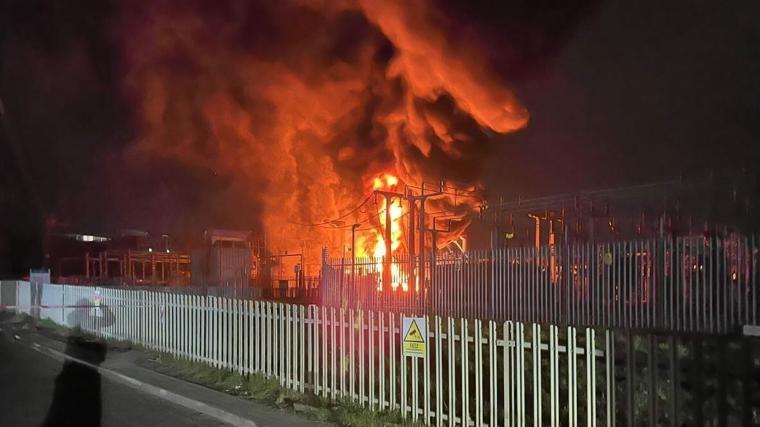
(296, 136)
(373, 244)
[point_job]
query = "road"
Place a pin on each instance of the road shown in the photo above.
(27, 387)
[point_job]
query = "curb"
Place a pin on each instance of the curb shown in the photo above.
(195, 405)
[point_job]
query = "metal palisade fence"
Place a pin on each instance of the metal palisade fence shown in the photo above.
(292, 295)
(686, 284)
(473, 372)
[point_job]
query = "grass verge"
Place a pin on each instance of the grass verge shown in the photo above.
(55, 331)
(268, 390)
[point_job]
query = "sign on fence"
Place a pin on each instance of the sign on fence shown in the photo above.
(95, 311)
(414, 336)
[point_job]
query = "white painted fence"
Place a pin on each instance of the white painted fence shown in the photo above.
(7, 293)
(475, 373)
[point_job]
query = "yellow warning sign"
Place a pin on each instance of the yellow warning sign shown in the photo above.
(414, 333)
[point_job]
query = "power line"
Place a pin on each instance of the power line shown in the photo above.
(339, 227)
(380, 211)
(318, 224)
(330, 224)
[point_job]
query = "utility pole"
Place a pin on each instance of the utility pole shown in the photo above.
(433, 252)
(388, 236)
(421, 258)
(435, 230)
(389, 195)
(411, 242)
(537, 237)
(412, 199)
(421, 269)
(353, 263)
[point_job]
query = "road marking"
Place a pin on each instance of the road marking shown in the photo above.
(186, 402)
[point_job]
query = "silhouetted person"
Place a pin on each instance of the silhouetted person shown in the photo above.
(88, 315)
(77, 395)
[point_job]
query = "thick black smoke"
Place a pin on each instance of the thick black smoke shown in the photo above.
(74, 121)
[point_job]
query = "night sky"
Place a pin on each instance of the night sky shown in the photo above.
(619, 93)
(643, 91)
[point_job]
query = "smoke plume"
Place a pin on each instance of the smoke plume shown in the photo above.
(302, 103)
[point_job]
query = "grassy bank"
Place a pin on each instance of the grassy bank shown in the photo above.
(50, 329)
(268, 390)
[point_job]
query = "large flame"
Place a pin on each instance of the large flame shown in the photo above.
(373, 242)
(307, 107)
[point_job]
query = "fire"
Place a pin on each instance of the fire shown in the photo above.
(372, 244)
(396, 213)
(300, 108)
(388, 182)
(384, 181)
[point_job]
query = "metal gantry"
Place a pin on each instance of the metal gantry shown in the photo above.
(686, 284)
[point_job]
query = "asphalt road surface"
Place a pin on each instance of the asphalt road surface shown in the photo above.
(29, 381)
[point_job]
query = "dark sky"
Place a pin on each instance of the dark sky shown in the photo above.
(643, 91)
(619, 92)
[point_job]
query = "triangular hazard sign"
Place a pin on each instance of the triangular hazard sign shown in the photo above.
(414, 334)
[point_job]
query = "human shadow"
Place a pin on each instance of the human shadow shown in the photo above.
(77, 395)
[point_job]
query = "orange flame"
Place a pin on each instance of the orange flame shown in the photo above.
(387, 182)
(294, 104)
(372, 244)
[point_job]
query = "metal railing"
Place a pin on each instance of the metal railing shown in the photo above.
(686, 284)
(474, 372)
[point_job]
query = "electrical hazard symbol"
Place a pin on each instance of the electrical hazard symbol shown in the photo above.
(414, 336)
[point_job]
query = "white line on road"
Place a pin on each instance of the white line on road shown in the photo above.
(214, 412)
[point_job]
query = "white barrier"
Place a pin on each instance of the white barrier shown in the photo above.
(23, 297)
(52, 302)
(474, 373)
(7, 293)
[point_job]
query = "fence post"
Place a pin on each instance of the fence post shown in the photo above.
(630, 364)
(323, 281)
(492, 297)
(451, 352)
(572, 383)
(536, 359)
(439, 372)
(591, 378)
(554, 374)
(609, 355)
(403, 384)
(463, 340)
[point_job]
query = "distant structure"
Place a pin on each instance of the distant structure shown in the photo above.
(134, 258)
(225, 258)
(228, 258)
(708, 206)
